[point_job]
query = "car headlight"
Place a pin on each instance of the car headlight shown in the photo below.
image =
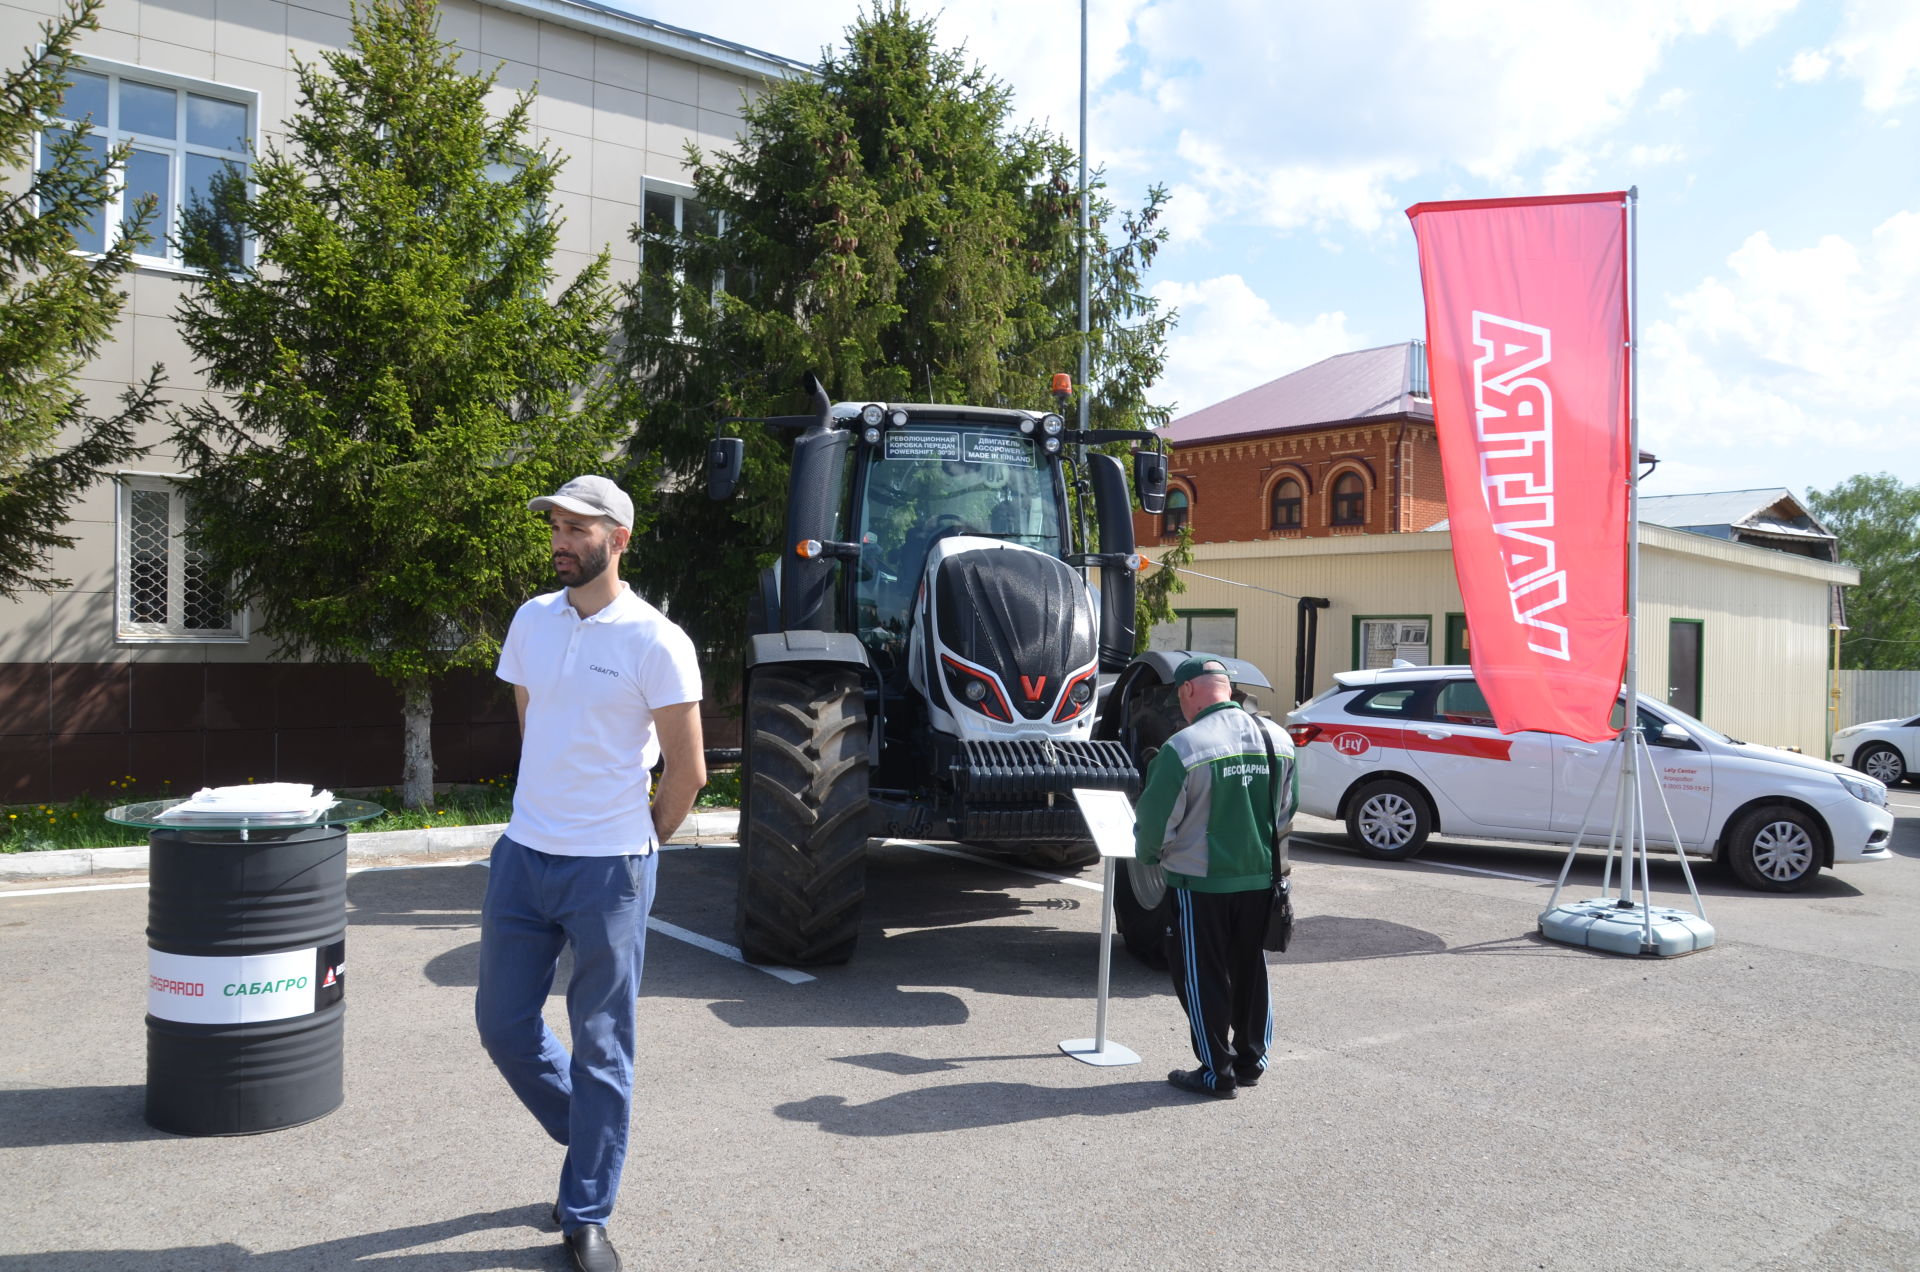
(1864, 788)
(1846, 733)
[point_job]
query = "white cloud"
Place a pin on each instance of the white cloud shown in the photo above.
(1672, 99)
(1809, 66)
(1229, 340)
(1878, 44)
(1794, 357)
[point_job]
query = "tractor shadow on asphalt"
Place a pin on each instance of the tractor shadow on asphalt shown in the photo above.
(390, 1250)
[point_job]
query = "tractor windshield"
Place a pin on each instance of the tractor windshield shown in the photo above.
(924, 482)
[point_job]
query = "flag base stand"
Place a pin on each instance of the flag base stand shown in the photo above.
(1627, 928)
(1094, 1051)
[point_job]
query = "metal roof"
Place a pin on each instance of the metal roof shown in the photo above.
(614, 20)
(1364, 384)
(1767, 509)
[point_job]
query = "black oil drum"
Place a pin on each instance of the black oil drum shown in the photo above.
(246, 979)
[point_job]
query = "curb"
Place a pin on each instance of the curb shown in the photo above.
(714, 826)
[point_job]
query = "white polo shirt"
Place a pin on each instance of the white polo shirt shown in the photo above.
(592, 687)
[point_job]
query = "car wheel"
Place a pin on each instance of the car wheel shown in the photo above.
(1388, 820)
(1774, 849)
(1882, 762)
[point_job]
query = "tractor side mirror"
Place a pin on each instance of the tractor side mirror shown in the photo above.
(1150, 480)
(724, 457)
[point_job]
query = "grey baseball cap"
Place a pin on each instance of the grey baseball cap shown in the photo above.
(590, 497)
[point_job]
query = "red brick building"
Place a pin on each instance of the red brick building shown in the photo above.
(1345, 446)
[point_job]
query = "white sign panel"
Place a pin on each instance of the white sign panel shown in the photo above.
(1109, 818)
(230, 991)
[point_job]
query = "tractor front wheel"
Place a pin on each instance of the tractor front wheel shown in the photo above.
(803, 821)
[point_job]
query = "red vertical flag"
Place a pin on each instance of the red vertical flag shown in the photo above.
(1527, 339)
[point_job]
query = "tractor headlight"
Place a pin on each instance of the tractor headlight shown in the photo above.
(1864, 788)
(872, 414)
(1052, 445)
(898, 419)
(1051, 425)
(870, 435)
(976, 690)
(1027, 426)
(1080, 692)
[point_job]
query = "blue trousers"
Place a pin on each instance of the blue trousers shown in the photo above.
(537, 904)
(1220, 975)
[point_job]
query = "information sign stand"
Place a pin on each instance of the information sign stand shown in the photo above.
(1110, 819)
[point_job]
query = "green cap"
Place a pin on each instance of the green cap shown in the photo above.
(1199, 665)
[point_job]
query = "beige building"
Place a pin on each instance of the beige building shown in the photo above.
(134, 669)
(1736, 634)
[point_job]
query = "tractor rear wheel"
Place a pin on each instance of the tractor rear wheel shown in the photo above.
(803, 821)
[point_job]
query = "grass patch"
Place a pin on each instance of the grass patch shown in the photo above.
(81, 822)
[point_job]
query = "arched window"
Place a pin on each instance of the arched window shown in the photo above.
(1176, 514)
(1349, 500)
(1286, 505)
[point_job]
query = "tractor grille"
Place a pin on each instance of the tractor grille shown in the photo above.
(1026, 772)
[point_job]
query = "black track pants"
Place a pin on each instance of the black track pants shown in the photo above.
(1220, 974)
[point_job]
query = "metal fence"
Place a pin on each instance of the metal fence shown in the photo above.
(1877, 695)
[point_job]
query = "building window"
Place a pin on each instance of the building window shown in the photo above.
(1286, 505)
(182, 133)
(163, 590)
(1377, 641)
(1206, 631)
(1349, 500)
(668, 212)
(1174, 519)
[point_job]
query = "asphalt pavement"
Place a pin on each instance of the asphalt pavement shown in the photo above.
(1448, 1090)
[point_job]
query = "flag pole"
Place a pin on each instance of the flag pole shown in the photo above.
(1617, 923)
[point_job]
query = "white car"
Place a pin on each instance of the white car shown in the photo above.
(1402, 753)
(1885, 749)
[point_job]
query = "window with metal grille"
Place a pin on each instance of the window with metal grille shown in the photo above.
(1286, 505)
(1349, 500)
(182, 133)
(164, 592)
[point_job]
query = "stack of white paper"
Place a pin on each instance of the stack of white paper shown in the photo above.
(254, 802)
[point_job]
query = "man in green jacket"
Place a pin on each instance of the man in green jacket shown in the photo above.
(1206, 816)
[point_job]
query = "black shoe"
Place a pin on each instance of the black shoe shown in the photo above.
(1251, 1079)
(1195, 1080)
(591, 1250)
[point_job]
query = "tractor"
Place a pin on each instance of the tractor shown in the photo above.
(929, 658)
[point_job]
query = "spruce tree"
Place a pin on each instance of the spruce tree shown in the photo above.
(396, 373)
(888, 226)
(58, 307)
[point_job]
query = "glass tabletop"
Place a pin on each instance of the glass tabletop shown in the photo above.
(151, 815)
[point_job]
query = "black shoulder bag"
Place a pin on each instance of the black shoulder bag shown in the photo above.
(1280, 908)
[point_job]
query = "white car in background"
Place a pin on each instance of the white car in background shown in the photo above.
(1402, 753)
(1885, 749)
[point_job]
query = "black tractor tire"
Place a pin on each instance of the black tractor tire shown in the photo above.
(1388, 820)
(1143, 911)
(803, 820)
(1774, 848)
(1142, 901)
(1882, 763)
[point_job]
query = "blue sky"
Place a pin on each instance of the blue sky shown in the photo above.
(1776, 146)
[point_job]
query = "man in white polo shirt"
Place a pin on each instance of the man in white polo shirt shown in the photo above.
(605, 687)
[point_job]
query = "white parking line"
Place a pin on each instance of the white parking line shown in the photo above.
(712, 946)
(661, 926)
(1444, 865)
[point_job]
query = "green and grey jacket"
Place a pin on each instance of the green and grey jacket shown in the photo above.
(1208, 810)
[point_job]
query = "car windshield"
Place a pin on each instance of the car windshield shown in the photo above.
(1653, 721)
